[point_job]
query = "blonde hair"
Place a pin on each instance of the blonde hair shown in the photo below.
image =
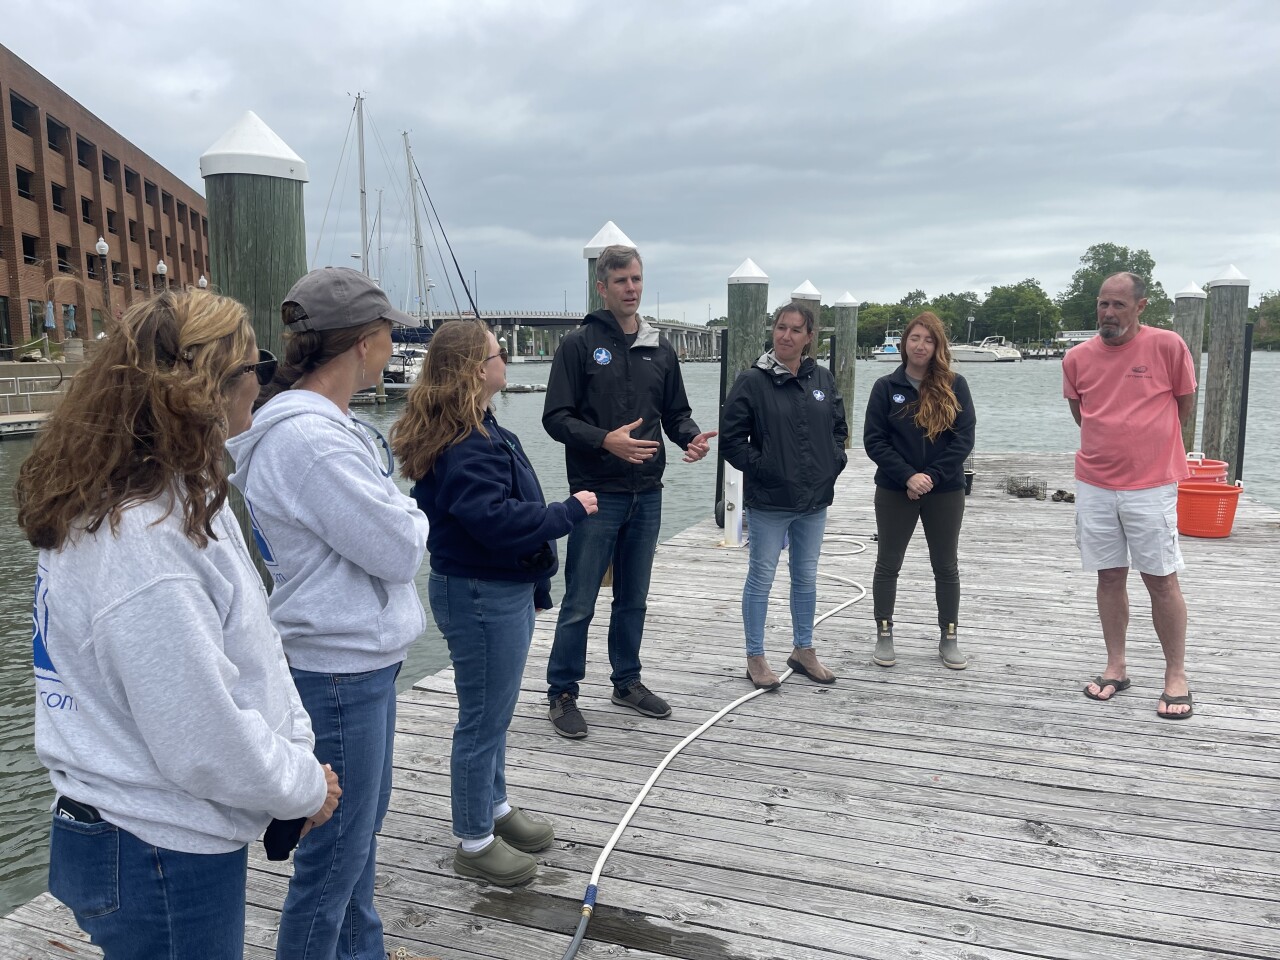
(446, 403)
(937, 409)
(145, 419)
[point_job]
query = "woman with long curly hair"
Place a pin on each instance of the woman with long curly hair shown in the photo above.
(492, 546)
(919, 430)
(165, 712)
(342, 544)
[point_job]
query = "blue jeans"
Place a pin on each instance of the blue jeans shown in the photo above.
(328, 911)
(623, 532)
(488, 625)
(767, 529)
(144, 902)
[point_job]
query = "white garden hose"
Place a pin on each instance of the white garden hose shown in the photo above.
(589, 899)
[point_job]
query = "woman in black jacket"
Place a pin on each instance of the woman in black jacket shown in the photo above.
(919, 431)
(784, 428)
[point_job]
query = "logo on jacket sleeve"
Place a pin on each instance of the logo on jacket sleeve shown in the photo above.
(819, 395)
(602, 356)
(899, 398)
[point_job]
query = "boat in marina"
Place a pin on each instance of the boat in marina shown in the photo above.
(891, 349)
(990, 350)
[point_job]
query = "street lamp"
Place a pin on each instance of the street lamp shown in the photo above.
(163, 271)
(203, 282)
(102, 250)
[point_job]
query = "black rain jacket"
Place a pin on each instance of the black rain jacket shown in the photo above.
(786, 433)
(901, 449)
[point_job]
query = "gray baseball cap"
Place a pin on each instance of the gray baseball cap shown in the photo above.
(335, 298)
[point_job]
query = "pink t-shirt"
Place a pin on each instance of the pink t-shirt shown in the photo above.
(1130, 435)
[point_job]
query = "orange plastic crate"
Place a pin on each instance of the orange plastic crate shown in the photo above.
(1206, 509)
(1214, 471)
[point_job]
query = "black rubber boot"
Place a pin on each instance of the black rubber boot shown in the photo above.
(884, 657)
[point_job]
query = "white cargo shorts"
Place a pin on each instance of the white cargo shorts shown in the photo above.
(1128, 528)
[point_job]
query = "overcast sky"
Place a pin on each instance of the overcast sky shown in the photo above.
(874, 147)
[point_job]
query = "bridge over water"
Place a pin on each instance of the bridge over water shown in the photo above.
(535, 334)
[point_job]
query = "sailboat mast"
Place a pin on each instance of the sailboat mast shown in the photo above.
(420, 269)
(364, 199)
(380, 273)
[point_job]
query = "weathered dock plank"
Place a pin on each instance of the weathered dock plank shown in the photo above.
(911, 812)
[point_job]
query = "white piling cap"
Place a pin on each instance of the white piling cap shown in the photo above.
(1191, 291)
(250, 146)
(848, 300)
(607, 236)
(748, 272)
(1231, 277)
(806, 291)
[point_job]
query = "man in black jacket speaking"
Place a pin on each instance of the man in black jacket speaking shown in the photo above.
(615, 387)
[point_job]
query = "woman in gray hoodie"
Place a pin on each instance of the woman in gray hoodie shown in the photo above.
(342, 545)
(164, 711)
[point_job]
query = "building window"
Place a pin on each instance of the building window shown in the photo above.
(137, 278)
(35, 317)
(182, 212)
(86, 210)
(23, 113)
(29, 255)
(184, 253)
(55, 133)
(151, 239)
(59, 197)
(157, 282)
(149, 192)
(113, 224)
(115, 273)
(84, 153)
(91, 266)
(6, 336)
(166, 203)
(64, 258)
(25, 178)
(195, 221)
(204, 227)
(110, 168)
(168, 247)
(130, 181)
(133, 230)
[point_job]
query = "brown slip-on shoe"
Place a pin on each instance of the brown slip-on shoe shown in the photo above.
(759, 673)
(804, 660)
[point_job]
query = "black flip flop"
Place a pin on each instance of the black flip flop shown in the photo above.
(1169, 701)
(1102, 683)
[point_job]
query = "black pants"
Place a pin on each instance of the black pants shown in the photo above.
(896, 516)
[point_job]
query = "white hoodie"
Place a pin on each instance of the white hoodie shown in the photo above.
(162, 695)
(341, 542)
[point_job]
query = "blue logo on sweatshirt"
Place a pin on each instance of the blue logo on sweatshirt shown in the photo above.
(819, 395)
(54, 698)
(602, 356)
(899, 398)
(264, 546)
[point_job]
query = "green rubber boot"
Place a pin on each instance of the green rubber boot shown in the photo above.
(884, 657)
(949, 649)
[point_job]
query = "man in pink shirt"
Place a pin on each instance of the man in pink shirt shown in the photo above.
(1130, 388)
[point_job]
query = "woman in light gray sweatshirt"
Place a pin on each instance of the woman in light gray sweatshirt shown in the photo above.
(165, 712)
(342, 545)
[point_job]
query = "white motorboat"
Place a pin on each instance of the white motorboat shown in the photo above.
(891, 349)
(990, 350)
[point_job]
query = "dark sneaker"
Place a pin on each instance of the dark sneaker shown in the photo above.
(567, 718)
(642, 700)
(497, 863)
(523, 832)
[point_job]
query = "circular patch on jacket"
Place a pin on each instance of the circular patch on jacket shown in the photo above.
(899, 398)
(819, 395)
(602, 356)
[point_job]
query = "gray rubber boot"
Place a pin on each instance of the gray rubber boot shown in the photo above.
(884, 657)
(949, 649)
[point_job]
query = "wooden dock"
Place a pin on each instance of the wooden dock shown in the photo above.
(918, 812)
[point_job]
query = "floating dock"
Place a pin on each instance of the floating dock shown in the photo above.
(917, 812)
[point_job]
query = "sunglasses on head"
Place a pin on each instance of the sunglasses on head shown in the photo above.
(264, 369)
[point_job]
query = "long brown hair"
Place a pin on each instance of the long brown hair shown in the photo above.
(445, 404)
(938, 407)
(144, 420)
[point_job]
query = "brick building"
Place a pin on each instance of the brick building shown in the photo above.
(67, 180)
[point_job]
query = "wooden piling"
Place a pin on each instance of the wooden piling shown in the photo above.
(1188, 323)
(844, 361)
(748, 308)
(807, 295)
(1228, 312)
(607, 236)
(257, 232)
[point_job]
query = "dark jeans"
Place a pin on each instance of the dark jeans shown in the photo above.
(138, 902)
(625, 533)
(896, 516)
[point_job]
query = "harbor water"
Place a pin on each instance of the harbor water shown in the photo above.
(1019, 407)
